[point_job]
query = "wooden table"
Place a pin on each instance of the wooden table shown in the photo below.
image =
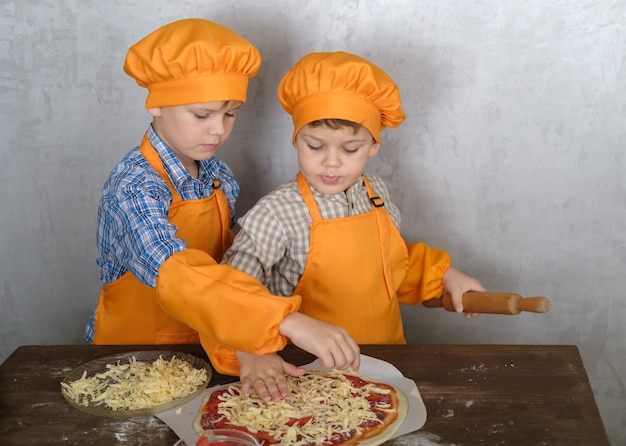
(474, 395)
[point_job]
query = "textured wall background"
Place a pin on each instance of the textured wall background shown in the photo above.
(512, 156)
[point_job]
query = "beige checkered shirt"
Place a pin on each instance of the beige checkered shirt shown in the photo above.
(273, 243)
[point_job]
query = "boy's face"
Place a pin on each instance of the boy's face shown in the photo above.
(332, 160)
(195, 132)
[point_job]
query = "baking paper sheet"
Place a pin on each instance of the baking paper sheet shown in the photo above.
(181, 419)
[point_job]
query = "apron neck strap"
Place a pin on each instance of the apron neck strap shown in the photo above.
(309, 199)
(153, 158)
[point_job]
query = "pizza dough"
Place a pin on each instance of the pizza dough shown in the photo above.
(333, 408)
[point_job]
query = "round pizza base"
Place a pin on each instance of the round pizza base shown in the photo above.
(387, 432)
(390, 430)
(373, 438)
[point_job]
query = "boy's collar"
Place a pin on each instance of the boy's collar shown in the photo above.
(350, 190)
(172, 165)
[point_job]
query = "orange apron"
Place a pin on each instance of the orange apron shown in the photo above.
(354, 268)
(128, 311)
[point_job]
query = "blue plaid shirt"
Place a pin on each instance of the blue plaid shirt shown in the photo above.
(134, 233)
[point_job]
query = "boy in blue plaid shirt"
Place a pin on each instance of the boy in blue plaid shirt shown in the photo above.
(167, 210)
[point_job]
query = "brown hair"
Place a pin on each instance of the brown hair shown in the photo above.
(335, 123)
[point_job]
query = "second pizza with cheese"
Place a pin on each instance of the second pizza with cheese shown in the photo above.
(322, 408)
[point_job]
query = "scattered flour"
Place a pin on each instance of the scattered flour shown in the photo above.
(124, 430)
(60, 373)
(422, 439)
(475, 368)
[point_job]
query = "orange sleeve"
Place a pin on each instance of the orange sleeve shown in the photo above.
(427, 266)
(225, 306)
(223, 359)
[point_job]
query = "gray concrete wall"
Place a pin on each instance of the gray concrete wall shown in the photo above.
(512, 155)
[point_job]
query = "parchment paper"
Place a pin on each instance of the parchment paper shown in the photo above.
(181, 419)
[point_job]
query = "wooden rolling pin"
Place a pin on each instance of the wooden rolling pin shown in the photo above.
(493, 303)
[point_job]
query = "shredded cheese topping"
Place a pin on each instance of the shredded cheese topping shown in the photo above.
(322, 408)
(136, 385)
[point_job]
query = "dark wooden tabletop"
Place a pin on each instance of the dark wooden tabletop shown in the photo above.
(474, 395)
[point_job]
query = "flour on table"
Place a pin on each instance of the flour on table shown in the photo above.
(422, 439)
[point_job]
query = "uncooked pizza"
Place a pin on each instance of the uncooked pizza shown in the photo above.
(322, 408)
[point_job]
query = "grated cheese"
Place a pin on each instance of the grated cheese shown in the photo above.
(136, 385)
(335, 407)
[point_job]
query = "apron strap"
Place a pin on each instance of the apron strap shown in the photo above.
(153, 158)
(308, 197)
(376, 201)
(383, 221)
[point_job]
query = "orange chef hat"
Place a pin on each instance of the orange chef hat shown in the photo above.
(192, 60)
(342, 86)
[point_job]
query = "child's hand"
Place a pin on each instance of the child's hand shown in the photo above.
(456, 283)
(333, 346)
(266, 374)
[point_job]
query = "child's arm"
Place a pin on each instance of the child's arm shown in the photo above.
(456, 283)
(333, 346)
(223, 304)
(431, 274)
(266, 375)
(230, 308)
(427, 266)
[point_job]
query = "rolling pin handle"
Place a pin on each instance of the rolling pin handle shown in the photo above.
(535, 304)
